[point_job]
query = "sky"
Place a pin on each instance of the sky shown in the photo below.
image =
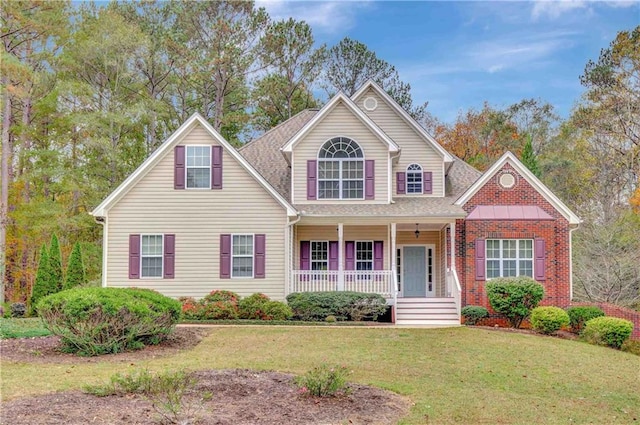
(457, 55)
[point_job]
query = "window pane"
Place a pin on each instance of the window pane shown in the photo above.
(329, 170)
(152, 245)
(198, 156)
(526, 268)
(242, 266)
(493, 248)
(329, 189)
(352, 189)
(198, 177)
(526, 248)
(352, 170)
(319, 250)
(151, 266)
(243, 245)
(509, 268)
(414, 182)
(509, 249)
(493, 269)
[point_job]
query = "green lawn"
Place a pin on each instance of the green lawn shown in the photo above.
(22, 328)
(457, 375)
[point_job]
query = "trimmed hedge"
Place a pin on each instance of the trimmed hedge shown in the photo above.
(473, 314)
(514, 297)
(578, 316)
(548, 320)
(93, 321)
(607, 331)
(344, 305)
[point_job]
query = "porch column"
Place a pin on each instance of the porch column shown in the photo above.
(393, 258)
(340, 257)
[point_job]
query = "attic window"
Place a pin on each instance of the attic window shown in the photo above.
(507, 180)
(370, 103)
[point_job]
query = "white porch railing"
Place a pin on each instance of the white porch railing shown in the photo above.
(454, 289)
(374, 281)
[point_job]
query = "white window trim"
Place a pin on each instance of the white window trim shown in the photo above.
(253, 255)
(340, 179)
(152, 256)
(406, 182)
(311, 260)
(517, 258)
(355, 255)
(186, 167)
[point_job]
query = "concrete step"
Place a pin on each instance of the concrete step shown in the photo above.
(429, 322)
(425, 300)
(427, 316)
(430, 310)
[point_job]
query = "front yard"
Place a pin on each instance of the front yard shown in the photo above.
(456, 375)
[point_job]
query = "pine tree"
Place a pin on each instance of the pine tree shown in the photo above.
(75, 269)
(41, 287)
(529, 158)
(55, 265)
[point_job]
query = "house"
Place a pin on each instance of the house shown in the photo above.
(354, 196)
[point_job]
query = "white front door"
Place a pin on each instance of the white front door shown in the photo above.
(417, 271)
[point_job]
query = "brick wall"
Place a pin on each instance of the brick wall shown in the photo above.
(554, 232)
(617, 311)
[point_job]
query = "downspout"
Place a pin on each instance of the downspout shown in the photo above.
(103, 222)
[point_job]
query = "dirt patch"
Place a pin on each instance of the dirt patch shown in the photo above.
(240, 397)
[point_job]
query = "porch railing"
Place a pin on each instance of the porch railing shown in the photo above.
(373, 281)
(454, 289)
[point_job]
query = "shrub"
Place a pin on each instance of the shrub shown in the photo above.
(631, 346)
(514, 297)
(548, 320)
(316, 306)
(18, 309)
(324, 381)
(218, 305)
(473, 314)
(331, 319)
(260, 307)
(607, 331)
(42, 285)
(55, 265)
(75, 269)
(578, 316)
(93, 321)
(366, 308)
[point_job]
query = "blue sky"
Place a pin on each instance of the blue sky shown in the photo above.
(456, 55)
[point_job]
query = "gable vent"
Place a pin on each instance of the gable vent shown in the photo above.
(370, 103)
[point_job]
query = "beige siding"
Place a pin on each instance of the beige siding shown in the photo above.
(197, 218)
(427, 238)
(340, 122)
(413, 146)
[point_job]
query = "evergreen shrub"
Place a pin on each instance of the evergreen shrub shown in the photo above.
(473, 314)
(578, 316)
(548, 320)
(607, 331)
(344, 305)
(514, 297)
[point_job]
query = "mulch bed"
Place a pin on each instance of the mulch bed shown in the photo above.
(559, 334)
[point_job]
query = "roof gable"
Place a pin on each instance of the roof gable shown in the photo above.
(326, 109)
(404, 115)
(165, 147)
(510, 158)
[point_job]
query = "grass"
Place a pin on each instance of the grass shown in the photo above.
(457, 375)
(22, 328)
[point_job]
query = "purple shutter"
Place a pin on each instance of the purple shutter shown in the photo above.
(134, 256)
(369, 179)
(350, 255)
(540, 255)
(216, 167)
(333, 255)
(312, 182)
(427, 182)
(259, 249)
(178, 167)
(480, 260)
(401, 184)
(169, 256)
(305, 255)
(378, 255)
(225, 256)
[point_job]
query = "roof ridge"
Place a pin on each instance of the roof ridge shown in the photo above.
(276, 128)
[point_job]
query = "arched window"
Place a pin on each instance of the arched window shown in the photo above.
(340, 170)
(414, 178)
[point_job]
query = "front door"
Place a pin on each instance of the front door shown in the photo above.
(418, 271)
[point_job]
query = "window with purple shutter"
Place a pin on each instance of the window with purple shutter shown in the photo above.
(333, 255)
(378, 255)
(401, 183)
(350, 255)
(178, 167)
(216, 167)
(540, 256)
(169, 256)
(369, 179)
(480, 259)
(225, 256)
(259, 256)
(428, 182)
(305, 255)
(134, 256)
(312, 181)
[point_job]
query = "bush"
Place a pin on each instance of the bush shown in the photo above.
(43, 285)
(18, 309)
(324, 381)
(75, 269)
(548, 320)
(607, 331)
(473, 314)
(578, 316)
(514, 297)
(316, 306)
(631, 346)
(218, 305)
(260, 307)
(93, 321)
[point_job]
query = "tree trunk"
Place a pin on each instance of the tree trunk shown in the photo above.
(5, 175)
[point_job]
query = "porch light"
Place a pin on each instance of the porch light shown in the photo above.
(417, 232)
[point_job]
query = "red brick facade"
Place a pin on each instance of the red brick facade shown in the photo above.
(555, 233)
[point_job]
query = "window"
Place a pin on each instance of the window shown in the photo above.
(198, 167)
(414, 178)
(509, 257)
(319, 255)
(340, 170)
(242, 256)
(364, 255)
(151, 256)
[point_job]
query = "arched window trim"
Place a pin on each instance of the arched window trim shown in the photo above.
(414, 181)
(349, 171)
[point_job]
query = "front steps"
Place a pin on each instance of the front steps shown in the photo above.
(427, 311)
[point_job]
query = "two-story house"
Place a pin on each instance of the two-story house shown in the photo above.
(354, 196)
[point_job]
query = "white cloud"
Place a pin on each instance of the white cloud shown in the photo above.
(555, 8)
(324, 16)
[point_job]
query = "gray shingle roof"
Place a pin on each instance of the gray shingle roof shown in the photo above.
(264, 155)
